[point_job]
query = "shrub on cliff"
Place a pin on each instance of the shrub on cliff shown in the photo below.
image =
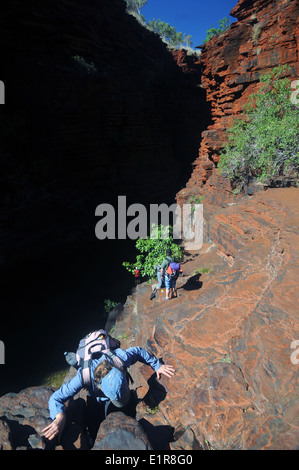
(223, 25)
(135, 5)
(152, 250)
(164, 30)
(264, 141)
(169, 34)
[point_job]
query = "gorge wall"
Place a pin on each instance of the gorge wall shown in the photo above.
(96, 107)
(265, 35)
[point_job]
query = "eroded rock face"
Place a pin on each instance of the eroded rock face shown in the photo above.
(229, 332)
(22, 417)
(265, 35)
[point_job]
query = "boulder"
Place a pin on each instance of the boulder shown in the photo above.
(121, 432)
(23, 416)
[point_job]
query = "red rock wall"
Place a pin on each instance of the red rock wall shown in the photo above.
(228, 334)
(265, 35)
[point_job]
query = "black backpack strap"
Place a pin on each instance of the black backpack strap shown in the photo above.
(129, 377)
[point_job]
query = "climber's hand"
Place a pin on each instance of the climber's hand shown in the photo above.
(55, 428)
(165, 370)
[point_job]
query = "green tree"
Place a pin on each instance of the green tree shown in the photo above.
(169, 33)
(135, 5)
(223, 25)
(152, 250)
(264, 140)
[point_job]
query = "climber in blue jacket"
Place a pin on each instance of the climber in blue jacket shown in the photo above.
(107, 383)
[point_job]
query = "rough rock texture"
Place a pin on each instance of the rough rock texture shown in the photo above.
(265, 35)
(229, 332)
(23, 415)
(121, 432)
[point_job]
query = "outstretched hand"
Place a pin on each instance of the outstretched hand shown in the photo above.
(55, 428)
(165, 370)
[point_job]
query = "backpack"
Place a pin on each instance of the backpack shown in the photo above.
(92, 346)
(169, 259)
(173, 270)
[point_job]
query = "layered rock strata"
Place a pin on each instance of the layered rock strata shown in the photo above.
(265, 35)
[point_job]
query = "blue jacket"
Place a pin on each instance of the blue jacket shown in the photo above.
(72, 387)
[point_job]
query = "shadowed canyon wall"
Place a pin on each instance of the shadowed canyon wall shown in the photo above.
(96, 107)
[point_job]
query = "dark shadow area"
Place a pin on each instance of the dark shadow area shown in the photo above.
(156, 392)
(74, 434)
(96, 107)
(283, 182)
(23, 435)
(193, 283)
(95, 413)
(19, 433)
(159, 436)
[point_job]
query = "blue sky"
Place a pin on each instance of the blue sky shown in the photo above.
(192, 17)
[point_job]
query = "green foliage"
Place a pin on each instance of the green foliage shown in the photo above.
(109, 305)
(135, 5)
(195, 200)
(169, 33)
(224, 24)
(153, 411)
(226, 359)
(152, 250)
(55, 379)
(201, 271)
(264, 140)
